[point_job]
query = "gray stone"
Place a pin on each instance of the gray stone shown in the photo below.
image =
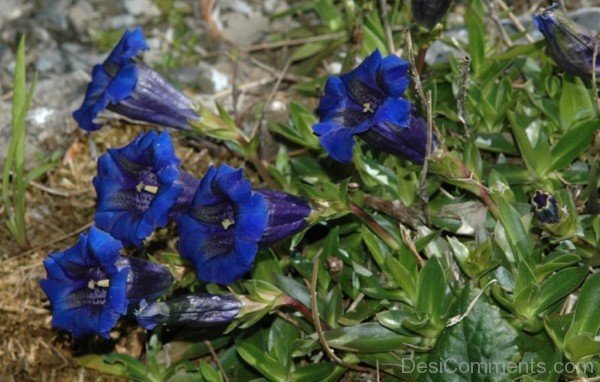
(120, 21)
(141, 7)
(243, 30)
(49, 122)
(80, 15)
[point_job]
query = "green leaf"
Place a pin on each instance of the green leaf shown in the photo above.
(317, 372)
(431, 291)
(518, 236)
(369, 337)
(209, 373)
(261, 361)
(483, 336)
(477, 31)
(558, 286)
(571, 144)
(575, 102)
(97, 362)
(404, 274)
(587, 311)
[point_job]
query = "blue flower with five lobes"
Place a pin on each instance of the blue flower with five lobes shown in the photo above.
(227, 222)
(90, 285)
(128, 87)
(571, 45)
(140, 188)
(368, 102)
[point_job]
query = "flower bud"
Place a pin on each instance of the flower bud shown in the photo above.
(545, 207)
(570, 44)
(189, 310)
(429, 12)
(130, 88)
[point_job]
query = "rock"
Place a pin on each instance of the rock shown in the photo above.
(207, 77)
(242, 30)
(141, 8)
(49, 122)
(80, 15)
(120, 22)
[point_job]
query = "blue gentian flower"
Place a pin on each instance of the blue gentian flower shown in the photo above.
(368, 102)
(545, 207)
(128, 87)
(429, 12)
(227, 222)
(140, 187)
(87, 285)
(189, 310)
(90, 285)
(571, 45)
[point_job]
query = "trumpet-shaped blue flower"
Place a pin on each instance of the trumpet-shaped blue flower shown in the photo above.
(87, 285)
(140, 187)
(227, 222)
(570, 44)
(128, 87)
(189, 310)
(90, 285)
(368, 102)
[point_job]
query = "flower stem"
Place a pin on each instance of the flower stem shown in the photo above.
(263, 172)
(375, 227)
(300, 307)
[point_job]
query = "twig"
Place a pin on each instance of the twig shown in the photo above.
(270, 97)
(278, 44)
(244, 87)
(496, 19)
(56, 191)
(515, 20)
(413, 68)
(461, 102)
(422, 182)
(216, 359)
(383, 14)
(57, 240)
(411, 245)
(375, 226)
(457, 319)
(300, 307)
(395, 209)
(317, 322)
(271, 70)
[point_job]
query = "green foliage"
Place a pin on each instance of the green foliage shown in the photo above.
(15, 178)
(386, 299)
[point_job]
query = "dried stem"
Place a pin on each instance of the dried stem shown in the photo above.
(395, 209)
(461, 102)
(422, 182)
(375, 227)
(300, 307)
(383, 14)
(594, 79)
(270, 97)
(216, 359)
(514, 20)
(57, 240)
(413, 68)
(317, 323)
(501, 31)
(411, 245)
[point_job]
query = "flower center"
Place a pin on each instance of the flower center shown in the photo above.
(226, 223)
(95, 291)
(146, 187)
(367, 108)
